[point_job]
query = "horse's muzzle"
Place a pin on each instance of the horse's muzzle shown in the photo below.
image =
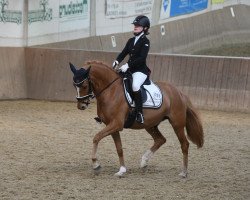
(82, 105)
(84, 101)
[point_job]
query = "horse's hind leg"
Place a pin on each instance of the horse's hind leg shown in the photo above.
(118, 144)
(159, 140)
(184, 147)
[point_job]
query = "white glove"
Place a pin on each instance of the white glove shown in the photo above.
(115, 64)
(124, 68)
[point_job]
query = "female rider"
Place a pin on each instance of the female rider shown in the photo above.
(137, 48)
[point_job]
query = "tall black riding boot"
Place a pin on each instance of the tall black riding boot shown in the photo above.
(138, 107)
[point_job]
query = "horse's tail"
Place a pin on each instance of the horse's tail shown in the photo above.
(193, 125)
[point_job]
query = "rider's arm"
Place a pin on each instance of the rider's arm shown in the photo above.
(124, 52)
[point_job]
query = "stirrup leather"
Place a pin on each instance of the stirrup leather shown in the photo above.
(139, 118)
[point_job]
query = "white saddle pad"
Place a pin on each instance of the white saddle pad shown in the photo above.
(154, 96)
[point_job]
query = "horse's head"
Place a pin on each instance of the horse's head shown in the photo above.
(82, 84)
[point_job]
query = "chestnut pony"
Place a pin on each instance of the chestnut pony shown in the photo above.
(97, 80)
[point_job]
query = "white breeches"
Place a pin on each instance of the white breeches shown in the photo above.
(138, 80)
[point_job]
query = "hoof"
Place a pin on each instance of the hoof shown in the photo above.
(97, 170)
(145, 158)
(121, 172)
(183, 174)
(98, 167)
(144, 169)
(144, 164)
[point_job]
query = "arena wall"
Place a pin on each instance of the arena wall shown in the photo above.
(217, 83)
(12, 73)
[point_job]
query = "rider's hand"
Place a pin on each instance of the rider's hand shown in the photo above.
(124, 68)
(115, 64)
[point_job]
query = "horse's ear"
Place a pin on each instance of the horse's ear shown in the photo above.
(72, 67)
(87, 70)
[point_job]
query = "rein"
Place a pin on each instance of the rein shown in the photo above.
(104, 87)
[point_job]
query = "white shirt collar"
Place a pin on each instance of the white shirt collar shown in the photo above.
(137, 37)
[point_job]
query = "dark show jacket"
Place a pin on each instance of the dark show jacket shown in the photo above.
(137, 54)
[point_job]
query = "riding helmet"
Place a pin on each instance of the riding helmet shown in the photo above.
(142, 20)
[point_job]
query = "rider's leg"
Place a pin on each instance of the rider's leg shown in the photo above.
(138, 79)
(138, 107)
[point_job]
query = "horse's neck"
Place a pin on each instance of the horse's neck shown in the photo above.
(101, 76)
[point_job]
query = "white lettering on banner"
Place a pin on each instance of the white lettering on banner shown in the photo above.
(124, 8)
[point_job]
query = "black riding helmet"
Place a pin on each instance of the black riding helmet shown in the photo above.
(143, 21)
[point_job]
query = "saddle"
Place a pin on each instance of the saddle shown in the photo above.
(151, 93)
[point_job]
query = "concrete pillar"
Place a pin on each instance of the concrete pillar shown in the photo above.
(93, 18)
(25, 22)
(156, 12)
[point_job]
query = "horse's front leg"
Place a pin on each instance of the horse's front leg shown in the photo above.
(118, 144)
(109, 129)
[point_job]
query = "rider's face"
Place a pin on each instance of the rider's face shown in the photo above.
(138, 29)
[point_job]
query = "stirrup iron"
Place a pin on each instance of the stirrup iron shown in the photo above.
(139, 118)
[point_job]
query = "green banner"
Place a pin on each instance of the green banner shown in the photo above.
(217, 1)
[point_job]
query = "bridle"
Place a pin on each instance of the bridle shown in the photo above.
(86, 98)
